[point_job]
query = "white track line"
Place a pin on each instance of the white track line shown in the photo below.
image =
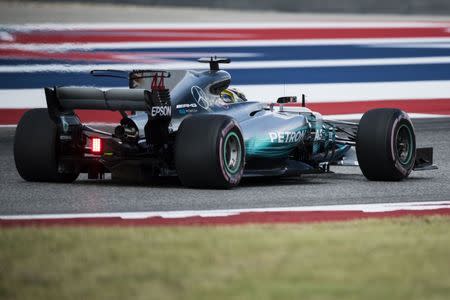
(275, 64)
(225, 25)
(378, 207)
(226, 44)
(22, 98)
(321, 92)
(339, 92)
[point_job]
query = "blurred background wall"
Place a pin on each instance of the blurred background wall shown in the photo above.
(324, 6)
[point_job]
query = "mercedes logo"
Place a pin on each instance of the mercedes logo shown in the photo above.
(200, 96)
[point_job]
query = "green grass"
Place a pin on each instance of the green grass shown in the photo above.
(377, 259)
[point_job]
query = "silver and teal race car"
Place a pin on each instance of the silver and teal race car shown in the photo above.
(191, 124)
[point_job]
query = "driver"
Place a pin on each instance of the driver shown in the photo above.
(232, 95)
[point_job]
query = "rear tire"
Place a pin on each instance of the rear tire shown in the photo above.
(386, 145)
(209, 152)
(35, 148)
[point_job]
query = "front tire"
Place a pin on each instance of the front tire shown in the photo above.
(209, 152)
(35, 148)
(386, 145)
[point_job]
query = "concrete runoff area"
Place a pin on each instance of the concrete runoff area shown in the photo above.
(19, 12)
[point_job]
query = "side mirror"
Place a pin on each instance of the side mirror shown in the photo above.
(287, 99)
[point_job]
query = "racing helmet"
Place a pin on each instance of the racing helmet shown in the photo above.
(232, 95)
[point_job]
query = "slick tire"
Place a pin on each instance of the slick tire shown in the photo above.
(209, 152)
(35, 148)
(386, 145)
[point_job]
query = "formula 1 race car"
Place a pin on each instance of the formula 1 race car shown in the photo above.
(190, 124)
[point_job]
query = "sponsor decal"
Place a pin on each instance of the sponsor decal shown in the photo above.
(187, 108)
(160, 111)
(286, 136)
(186, 105)
(200, 97)
(65, 124)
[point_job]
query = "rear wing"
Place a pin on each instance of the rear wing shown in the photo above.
(135, 78)
(69, 98)
(61, 101)
(65, 99)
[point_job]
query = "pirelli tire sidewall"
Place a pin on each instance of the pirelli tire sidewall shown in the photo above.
(231, 129)
(403, 169)
(200, 151)
(376, 145)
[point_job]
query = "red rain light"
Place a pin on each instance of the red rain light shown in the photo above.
(96, 145)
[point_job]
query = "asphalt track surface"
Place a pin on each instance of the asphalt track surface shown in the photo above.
(346, 186)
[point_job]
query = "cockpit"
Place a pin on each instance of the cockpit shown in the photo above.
(232, 95)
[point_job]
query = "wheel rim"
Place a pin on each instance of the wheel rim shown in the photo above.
(404, 144)
(232, 153)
